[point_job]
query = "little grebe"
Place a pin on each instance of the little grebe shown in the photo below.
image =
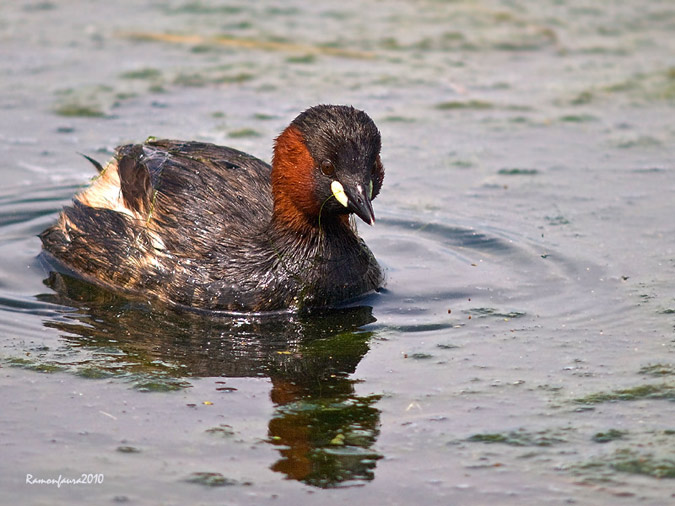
(205, 226)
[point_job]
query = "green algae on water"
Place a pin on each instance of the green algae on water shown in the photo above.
(308, 58)
(32, 365)
(640, 88)
(421, 356)
(468, 104)
(557, 220)
(485, 312)
(144, 73)
(155, 380)
(578, 118)
(397, 119)
(520, 437)
(650, 391)
(243, 132)
(128, 449)
(447, 346)
(240, 77)
(263, 116)
(645, 464)
(94, 373)
(161, 385)
(640, 141)
(628, 461)
(78, 109)
(193, 80)
(463, 164)
(658, 370)
(199, 80)
(583, 98)
(610, 435)
(204, 8)
(517, 172)
(223, 430)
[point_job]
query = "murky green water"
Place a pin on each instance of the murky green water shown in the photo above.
(523, 351)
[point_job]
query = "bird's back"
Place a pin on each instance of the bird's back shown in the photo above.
(160, 210)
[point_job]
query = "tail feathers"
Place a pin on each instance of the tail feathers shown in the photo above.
(95, 163)
(55, 240)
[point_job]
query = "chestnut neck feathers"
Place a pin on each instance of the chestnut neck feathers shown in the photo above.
(295, 205)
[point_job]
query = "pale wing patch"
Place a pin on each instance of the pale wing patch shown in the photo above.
(106, 193)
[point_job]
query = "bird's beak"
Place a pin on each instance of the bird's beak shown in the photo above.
(355, 200)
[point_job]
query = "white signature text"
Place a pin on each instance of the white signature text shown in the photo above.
(84, 479)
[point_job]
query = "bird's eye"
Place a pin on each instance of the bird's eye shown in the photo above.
(327, 168)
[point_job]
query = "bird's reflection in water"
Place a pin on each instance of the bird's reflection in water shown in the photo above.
(323, 430)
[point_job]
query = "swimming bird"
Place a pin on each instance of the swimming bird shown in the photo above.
(197, 225)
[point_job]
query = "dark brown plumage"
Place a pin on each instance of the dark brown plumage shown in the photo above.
(199, 225)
